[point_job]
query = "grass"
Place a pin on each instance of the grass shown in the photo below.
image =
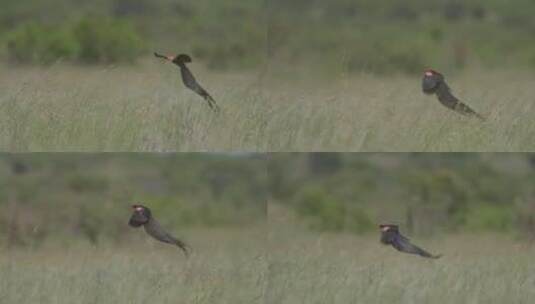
(326, 268)
(225, 267)
(146, 108)
(293, 266)
(126, 109)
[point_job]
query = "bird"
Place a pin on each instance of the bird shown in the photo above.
(142, 216)
(390, 236)
(188, 79)
(433, 83)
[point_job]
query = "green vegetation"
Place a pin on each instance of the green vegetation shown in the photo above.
(66, 197)
(225, 35)
(327, 268)
(227, 266)
(381, 37)
(147, 108)
(338, 36)
(425, 193)
(89, 40)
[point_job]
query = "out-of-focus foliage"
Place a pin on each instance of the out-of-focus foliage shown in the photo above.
(224, 34)
(88, 40)
(393, 36)
(32, 43)
(424, 192)
(107, 41)
(88, 196)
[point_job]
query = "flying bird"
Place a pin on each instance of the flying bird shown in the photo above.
(390, 236)
(188, 79)
(142, 216)
(433, 83)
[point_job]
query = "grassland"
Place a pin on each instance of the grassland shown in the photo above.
(328, 268)
(146, 108)
(225, 267)
(293, 266)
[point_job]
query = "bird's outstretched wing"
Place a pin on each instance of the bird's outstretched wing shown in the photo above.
(403, 244)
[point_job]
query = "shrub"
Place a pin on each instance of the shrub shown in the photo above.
(88, 40)
(32, 43)
(489, 217)
(107, 41)
(328, 214)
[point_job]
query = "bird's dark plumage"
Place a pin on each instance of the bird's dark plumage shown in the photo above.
(142, 216)
(188, 79)
(433, 83)
(390, 236)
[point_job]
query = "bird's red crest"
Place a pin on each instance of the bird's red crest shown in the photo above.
(137, 207)
(384, 227)
(431, 72)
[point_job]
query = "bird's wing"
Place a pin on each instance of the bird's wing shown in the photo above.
(403, 244)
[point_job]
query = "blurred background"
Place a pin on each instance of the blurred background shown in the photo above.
(225, 35)
(341, 35)
(425, 193)
(61, 199)
(477, 209)
(64, 234)
(296, 75)
(384, 37)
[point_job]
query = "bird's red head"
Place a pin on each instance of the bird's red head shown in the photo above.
(138, 207)
(386, 227)
(431, 72)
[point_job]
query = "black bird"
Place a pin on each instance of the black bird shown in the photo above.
(142, 216)
(188, 79)
(433, 83)
(390, 236)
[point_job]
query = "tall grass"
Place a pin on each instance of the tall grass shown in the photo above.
(327, 268)
(283, 264)
(227, 267)
(147, 108)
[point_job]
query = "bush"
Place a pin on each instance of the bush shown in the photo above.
(32, 43)
(328, 214)
(89, 40)
(107, 41)
(490, 218)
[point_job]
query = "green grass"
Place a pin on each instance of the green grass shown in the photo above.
(225, 267)
(327, 268)
(127, 109)
(146, 108)
(293, 266)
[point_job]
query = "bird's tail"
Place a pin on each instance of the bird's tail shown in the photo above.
(211, 102)
(185, 248)
(429, 255)
(466, 110)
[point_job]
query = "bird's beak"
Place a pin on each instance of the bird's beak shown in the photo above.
(384, 228)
